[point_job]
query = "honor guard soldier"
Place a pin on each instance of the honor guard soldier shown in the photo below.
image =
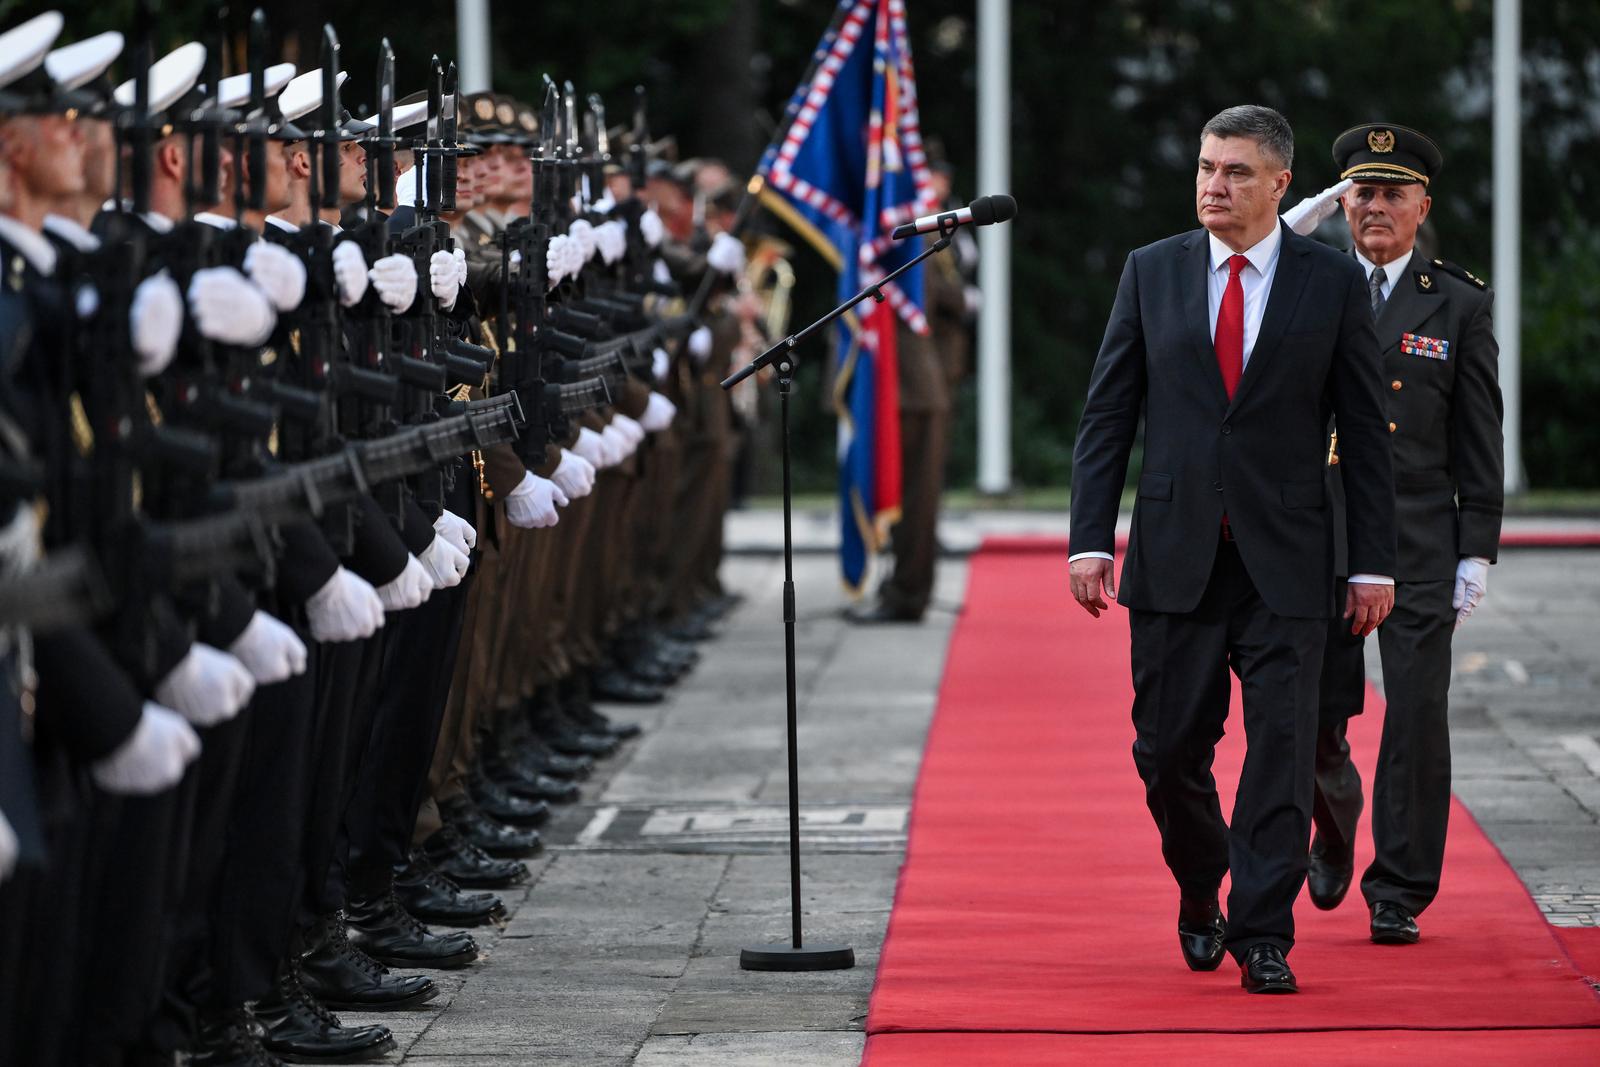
(1439, 374)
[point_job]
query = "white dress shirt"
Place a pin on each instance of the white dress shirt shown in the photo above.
(1391, 271)
(1256, 280)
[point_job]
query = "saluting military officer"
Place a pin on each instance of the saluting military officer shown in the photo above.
(1439, 363)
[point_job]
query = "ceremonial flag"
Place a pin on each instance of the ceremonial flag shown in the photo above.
(846, 171)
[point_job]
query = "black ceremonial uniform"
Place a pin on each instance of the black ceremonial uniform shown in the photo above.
(1440, 377)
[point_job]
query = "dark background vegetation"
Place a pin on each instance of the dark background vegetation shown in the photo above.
(1109, 99)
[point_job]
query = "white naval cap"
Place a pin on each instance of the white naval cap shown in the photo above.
(303, 95)
(170, 77)
(233, 92)
(79, 64)
(23, 48)
(404, 114)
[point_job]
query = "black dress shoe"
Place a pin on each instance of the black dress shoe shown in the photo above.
(466, 864)
(1201, 929)
(575, 700)
(1264, 970)
(433, 898)
(563, 735)
(1393, 925)
(231, 1041)
(384, 930)
(1329, 875)
(880, 613)
(534, 756)
(300, 1030)
(495, 838)
(344, 978)
(500, 805)
(618, 687)
(523, 781)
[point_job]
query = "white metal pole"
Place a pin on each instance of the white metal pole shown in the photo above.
(994, 243)
(472, 46)
(1508, 225)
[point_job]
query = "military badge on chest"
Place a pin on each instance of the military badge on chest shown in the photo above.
(1415, 344)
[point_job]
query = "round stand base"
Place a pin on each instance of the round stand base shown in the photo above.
(784, 957)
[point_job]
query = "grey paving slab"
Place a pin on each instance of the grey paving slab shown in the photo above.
(780, 1049)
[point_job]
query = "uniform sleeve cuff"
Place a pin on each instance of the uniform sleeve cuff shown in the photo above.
(1076, 556)
(1370, 579)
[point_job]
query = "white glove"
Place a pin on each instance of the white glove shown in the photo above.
(346, 608)
(605, 205)
(278, 272)
(651, 228)
(629, 428)
(574, 475)
(1472, 581)
(350, 272)
(555, 259)
(395, 278)
(207, 686)
(445, 564)
(658, 413)
(227, 308)
(532, 505)
(462, 537)
(442, 278)
(461, 266)
(660, 273)
(592, 449)
(152, 758)
(619, 443)
(155, 322)
(726, 254)
(700, 344)
(269, 650)
(575, 259)
(583, 233)
(410, 588)
(9, 847)
(660, 364)
(613, 239)
(1308, 214)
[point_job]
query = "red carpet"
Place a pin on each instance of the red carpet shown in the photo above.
(1034, 919)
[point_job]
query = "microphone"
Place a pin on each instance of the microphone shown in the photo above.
(981, 212)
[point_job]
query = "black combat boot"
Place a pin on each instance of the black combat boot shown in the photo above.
(344, 978)
(383, 929)
(433, 898)
(301, 1030)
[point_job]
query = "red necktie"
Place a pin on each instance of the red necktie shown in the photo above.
(1230, 327)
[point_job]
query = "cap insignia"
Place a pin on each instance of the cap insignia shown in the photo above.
(1381, 141)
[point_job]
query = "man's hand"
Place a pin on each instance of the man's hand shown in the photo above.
(1094, 584)
(1367, 605)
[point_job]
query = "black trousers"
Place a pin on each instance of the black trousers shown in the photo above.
(1411, 793)
(1180, 706)
(414, 682)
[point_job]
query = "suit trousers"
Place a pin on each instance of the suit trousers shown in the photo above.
(1411, 791)
(1180, 707)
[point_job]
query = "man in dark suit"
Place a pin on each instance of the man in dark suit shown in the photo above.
(1440, 378)
(1237, 342)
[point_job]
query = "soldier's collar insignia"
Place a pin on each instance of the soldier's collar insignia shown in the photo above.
(1424, 282)
(1381, 141)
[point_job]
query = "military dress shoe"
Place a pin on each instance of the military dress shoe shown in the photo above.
(1264, 970)
(495, 801)
(576, 702)
(1393, 925)
(1329, 875)
(231, 1040)
(619, 687)
(344, 978)
(495, 838)
(533, 756)
(880, 613)
(433, 898)
(300, 1030)
(1201, 929)
(466, 864)
(386, 931)
(521, 779)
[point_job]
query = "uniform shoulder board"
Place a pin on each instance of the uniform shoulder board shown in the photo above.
(1461, 272)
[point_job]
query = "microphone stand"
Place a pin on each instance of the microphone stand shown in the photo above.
(798, 956)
